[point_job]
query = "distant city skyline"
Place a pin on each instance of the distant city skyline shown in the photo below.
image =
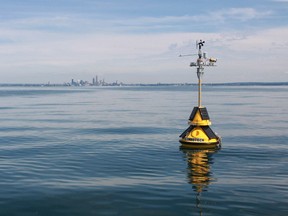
(140, 41)
(95, 82)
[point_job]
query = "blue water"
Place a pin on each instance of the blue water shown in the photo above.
(115, 151)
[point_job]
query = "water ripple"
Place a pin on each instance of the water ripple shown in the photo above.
(115, 151)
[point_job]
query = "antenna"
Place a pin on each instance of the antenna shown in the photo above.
(187, 55)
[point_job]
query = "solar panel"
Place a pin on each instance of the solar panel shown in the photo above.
(193, 113)
(209, 132)
(204, 113)
(190, 128)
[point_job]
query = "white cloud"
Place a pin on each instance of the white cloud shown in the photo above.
(264, 42)
(150, 54)
(243, 14)
(67, 44)
(76, 23)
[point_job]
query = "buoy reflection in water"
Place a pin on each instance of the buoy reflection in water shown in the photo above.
(199, 171)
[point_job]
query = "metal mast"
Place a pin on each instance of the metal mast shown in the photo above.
(201, 62)
(200, 70)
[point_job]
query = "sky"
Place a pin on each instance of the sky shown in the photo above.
(139, 41)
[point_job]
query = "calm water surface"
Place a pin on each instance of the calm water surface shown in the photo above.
(115, 151)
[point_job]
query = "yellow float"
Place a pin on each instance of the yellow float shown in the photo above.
(199, 134)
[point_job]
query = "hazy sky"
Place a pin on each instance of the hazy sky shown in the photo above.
(140, 40)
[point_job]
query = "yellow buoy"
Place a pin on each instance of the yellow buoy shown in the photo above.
(199, 134)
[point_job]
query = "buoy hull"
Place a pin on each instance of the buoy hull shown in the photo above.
(199, 134)
(187, 143)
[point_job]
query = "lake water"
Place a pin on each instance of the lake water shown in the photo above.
(115, 151)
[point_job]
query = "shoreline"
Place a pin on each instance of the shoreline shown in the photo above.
(149, 84)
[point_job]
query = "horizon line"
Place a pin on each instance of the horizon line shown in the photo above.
(149, 84)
